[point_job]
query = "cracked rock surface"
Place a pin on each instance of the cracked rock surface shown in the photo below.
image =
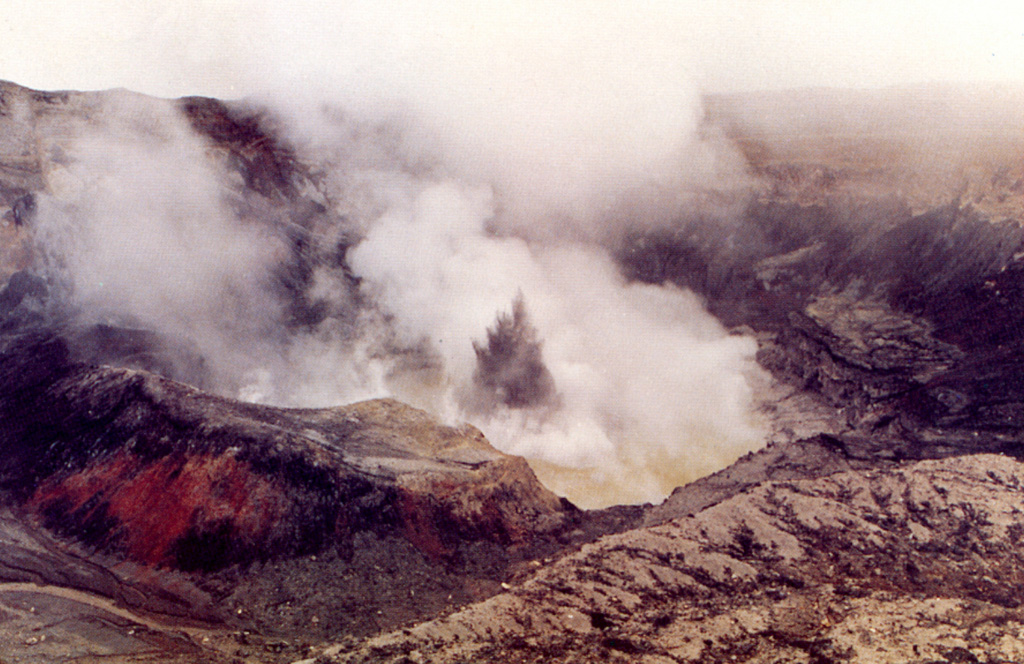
(913, 564)
(144, 519)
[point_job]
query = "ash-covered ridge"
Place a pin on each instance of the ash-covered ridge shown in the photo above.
(918, 564)
(131, 490)
(878, 271)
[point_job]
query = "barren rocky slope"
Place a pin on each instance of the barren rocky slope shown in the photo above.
(145, 519)
(916, 564)
(135, 491)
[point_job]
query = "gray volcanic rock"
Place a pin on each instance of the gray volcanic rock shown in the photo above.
(807, 458)
(878, 270)
(145, 519)
(919, 563)
(155, 497)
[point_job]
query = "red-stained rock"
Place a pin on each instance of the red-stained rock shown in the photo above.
(153, 506)
(169, 476)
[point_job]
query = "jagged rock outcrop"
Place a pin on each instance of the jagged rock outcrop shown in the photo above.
(884, 291)
(145, 518)
(806, 458)
(173, 477)
(915, 564)
(130, 494)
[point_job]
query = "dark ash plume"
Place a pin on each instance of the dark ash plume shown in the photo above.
(510, 369)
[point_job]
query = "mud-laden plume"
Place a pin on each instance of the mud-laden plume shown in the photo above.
(510, 369)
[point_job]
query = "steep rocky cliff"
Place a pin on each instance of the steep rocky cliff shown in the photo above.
(146, 518)
(301, 522)
(878, 265)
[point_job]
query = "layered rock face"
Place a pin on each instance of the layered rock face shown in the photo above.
(877, 265)
(154, 473)
(174, 477)
(145, 518)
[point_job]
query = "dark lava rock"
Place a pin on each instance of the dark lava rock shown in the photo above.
(315, 522)
(882, 280)
(171, 476)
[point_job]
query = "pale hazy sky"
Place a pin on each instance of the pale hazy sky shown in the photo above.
(236, 47)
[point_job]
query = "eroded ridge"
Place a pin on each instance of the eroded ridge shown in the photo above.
(919, 563)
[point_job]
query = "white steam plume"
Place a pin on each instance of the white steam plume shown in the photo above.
(652, 391)
(478, 152)
(136, 223)
(563, 106)
(521, 138)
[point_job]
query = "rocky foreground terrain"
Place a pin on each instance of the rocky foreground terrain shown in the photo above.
(919, 563)
(878, 258)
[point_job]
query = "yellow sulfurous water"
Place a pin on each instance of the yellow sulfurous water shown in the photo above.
(650, 478)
